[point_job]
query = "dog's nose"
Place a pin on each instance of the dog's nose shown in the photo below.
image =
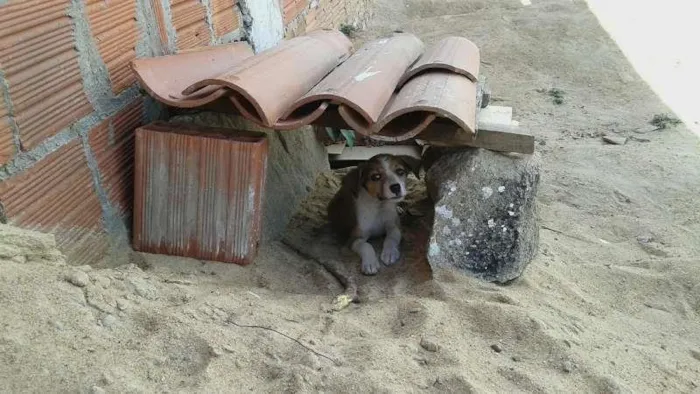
(395, 188)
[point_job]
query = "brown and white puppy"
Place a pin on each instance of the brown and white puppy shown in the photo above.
(366, 207)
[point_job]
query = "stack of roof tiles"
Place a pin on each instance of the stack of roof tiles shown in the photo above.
(391, 89)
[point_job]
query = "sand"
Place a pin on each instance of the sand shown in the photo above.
(611, 303)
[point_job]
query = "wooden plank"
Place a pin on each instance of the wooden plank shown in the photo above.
(497, 136)
(362, 153)
(494, 118)
(335, 149)
(500, 138)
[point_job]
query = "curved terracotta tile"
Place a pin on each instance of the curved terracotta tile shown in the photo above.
(165, 77)
(360, 87)
(264, 86)
(455, 54)
(423, 99)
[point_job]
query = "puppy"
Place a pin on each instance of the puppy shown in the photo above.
(366, 207)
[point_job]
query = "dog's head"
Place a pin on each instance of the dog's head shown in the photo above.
(384, 176)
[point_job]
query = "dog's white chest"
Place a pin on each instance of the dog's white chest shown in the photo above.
(373, 217)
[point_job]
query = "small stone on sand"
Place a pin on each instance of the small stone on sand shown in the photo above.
(429, 345)
(496, 348)
(567, 367)
(613, 140)
(109, 321)
(78, 278)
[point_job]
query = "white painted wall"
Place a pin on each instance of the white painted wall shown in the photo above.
(267, 29)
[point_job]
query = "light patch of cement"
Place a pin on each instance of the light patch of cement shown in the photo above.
(267, 26)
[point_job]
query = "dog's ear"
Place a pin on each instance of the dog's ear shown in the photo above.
(412, 163)
(354, 179)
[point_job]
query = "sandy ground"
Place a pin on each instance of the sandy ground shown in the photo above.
(611, 304)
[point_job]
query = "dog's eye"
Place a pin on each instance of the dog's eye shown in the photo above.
(400, 172)
(376, 177)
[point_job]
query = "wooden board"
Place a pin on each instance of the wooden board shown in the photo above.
(504, 138)
(362, 153)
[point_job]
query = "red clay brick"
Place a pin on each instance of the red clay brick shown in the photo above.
(113, 26)
(38, 56)
(292, 8)
(328, 14)
(160, 20)
(190, 22)
(57, 195)
(112, 143)
(7, 148)
(226, 16)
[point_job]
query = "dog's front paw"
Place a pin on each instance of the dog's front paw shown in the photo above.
(390, 254)
(370, 266)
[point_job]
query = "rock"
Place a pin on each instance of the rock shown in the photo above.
(97, 390)
(109, 321)
(27, 245)
(567, 367)
(122, 304)
(106, 379)
(78, 278)
(295, 159)
(496, 348)
(695, 354)
(429, 344)
(19, 259)
(311, 361)
(143, 288)
(102, 281)
(610, 139)
(485, 211)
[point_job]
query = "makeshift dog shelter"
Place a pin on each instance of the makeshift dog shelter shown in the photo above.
(391, 91)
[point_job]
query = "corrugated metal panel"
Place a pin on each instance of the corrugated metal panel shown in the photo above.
(190, 22)
(113, 26)
(198, 192)
(7, 148)
(39, 60)
(112, 143)
(225, 16)
(57, 195)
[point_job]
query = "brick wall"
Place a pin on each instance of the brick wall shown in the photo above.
(69, 102)
(305, 15)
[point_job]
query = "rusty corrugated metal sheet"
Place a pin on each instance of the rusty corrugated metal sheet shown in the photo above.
(361, 86)
(198, 191)
(454, 54)
(38, 57)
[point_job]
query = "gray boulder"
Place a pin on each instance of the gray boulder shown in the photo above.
(295, 159)
(485, 211)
